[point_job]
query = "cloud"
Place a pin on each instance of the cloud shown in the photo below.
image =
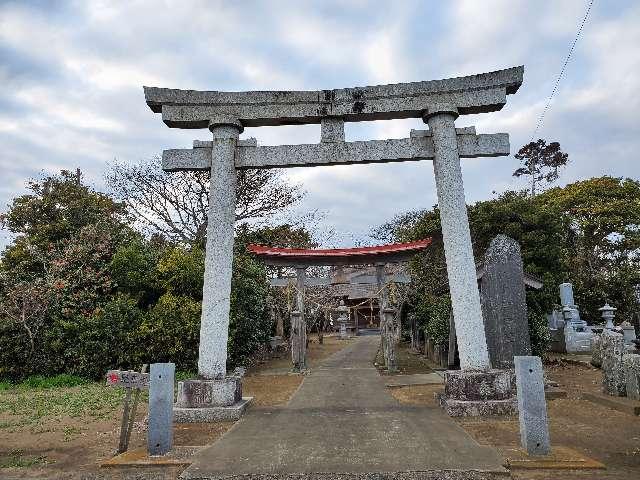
(73, 73)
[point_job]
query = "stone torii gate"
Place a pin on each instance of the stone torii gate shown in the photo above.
(301, 259)
(226, 114)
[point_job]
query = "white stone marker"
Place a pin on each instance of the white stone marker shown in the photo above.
(461, 268)
(216, 292)
(160, 430)
(532, 406)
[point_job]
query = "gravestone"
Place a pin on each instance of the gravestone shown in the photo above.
(577, 333)
(613, 379)
(629, 333)
(504, 303)
(160, 430)
(631, 365)
(532, 407)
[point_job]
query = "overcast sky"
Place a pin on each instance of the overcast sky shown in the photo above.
(72, 76)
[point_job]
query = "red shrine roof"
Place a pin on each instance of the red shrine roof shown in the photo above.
(391, 252)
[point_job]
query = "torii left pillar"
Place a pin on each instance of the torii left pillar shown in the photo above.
(215, 395)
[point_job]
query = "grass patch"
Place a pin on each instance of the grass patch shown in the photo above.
(93, 400)
(40, 381)
(17, 459)
(57, 381)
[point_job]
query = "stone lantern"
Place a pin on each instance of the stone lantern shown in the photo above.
(343, 318)
(608, 314)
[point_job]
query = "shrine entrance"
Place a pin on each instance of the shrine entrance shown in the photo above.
(381, 256)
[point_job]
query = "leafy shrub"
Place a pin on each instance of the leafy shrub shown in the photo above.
(89, 346)
(170, 332)
(249, 325)
(181, 272)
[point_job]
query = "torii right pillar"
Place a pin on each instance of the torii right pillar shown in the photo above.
(476, 389)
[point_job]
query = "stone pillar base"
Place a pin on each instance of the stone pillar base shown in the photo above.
(210, 400)
(473, 393)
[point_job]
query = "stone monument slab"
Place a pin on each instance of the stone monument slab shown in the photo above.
(504, 302)
(532, 407)
(160, 430)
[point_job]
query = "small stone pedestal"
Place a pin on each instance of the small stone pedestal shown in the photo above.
(202, 401)
(473, 393)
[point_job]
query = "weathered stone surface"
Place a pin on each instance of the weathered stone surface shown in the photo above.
(532, 406)
(461, 268)
(298, 342)
(160, 429)
(477, 385)
(216, 291)
(390, 339)
(415, 148)
(504, 302)
(613, 380)
(331, 130)
(209, 393)
(478, 408)
(212, 414)
(631, 365)
(596, 351)
(478, 393)
(473, 94)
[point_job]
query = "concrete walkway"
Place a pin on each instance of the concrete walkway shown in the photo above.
(342, 420)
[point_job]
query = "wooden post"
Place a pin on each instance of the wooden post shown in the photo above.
(122, 446)
(134, 408)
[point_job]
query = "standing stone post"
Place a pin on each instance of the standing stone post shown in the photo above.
(461, 269)
(343, 317)
(160, 431)
(382, 300)
(216, 292)
(390, 339)
(613, 378)
(298, 342)
(299, 325)
(532, 407)
(631, 365)
(504, 303)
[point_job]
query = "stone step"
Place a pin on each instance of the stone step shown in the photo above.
(418, 475)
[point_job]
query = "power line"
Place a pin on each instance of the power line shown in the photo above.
(561, 74)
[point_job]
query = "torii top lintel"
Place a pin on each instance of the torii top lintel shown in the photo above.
(297, 257)
(485, 92)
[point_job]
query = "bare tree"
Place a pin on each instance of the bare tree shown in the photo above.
(176, 204)
(26, 304)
